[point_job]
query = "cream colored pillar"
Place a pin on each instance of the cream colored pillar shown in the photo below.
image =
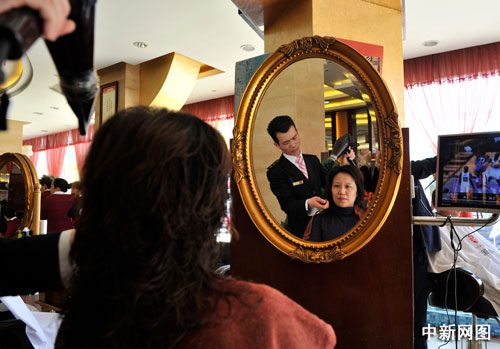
(11, 140)
(127, 76)
(377, 22)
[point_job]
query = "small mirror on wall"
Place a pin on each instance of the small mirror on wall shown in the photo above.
(17, 197)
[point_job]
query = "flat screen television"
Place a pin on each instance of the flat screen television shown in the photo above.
(468, 172)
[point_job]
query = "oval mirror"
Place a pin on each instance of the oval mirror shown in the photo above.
(329, 90)
(17, 186)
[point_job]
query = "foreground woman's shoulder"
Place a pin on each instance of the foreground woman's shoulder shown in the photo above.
(277, 318)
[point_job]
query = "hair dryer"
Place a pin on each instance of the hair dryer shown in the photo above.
(73, 54)
(341, 147)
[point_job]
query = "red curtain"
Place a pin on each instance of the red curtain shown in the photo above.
(212, 110)
(469, 62)
(81, 150)
(61, 139)
(218, 113)
(34, 158)
(451, 92)
(55, 145)
(463, 106)
(55, 160)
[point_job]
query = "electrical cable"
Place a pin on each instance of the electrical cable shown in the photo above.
(454, 270)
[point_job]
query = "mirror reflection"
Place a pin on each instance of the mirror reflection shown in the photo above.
(12, 199)
(315, 149)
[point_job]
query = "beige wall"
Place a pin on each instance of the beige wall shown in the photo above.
(374, 22)
(11, 141)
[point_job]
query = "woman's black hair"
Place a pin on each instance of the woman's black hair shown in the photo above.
(155, 185)
(355, 173)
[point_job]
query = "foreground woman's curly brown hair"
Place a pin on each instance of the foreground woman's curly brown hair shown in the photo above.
(154, 188)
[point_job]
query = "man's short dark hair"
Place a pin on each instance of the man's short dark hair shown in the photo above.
(46, 180)
(61, 183)
(280, 124)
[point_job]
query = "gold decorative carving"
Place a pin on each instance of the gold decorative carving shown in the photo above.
(237, 148)
(394, 141)
(317, 255)
(390, 148)
(307, 44)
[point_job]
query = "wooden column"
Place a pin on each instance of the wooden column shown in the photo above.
(367, 297)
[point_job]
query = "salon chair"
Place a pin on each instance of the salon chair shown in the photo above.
(469, 295)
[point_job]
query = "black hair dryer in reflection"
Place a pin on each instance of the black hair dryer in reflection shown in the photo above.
(341, 147)
(73, 54)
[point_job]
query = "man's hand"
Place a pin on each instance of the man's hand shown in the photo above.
(317, 202)
(53, 12)
(350, 156)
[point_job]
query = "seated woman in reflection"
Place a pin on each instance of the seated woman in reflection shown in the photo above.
(345, 194)
(144, 257)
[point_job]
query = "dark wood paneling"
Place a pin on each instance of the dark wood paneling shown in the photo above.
(367, 297)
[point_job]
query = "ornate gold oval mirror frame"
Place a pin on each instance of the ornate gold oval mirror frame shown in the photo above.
(31, 217)
(390, 144)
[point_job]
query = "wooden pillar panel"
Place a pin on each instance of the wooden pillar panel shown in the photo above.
(367, 297)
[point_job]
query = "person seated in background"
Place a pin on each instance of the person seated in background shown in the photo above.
(3, 213)
(345, 193)
(477, 254)
(14, 220)
(55, 207)
(143, 257)
(425, 238)
(46, 184)
(75, 211)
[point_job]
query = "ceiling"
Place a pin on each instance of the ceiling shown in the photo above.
(212, 32)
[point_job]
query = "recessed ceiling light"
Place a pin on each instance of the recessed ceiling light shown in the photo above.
(214, 90)
(44, 131)
(37, 113)
(430, 43)
(247, 47)
(53, 107)
(140, 44)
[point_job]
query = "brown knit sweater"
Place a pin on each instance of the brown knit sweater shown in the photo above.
(261, 317)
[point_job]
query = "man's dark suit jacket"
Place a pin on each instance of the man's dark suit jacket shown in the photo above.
(29, 265)
(425, 236)
(292, 188)
(55, 209)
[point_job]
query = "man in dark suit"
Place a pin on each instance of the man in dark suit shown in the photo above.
(297, 180)
(55, 207)
(425, 238)
(36, 265)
